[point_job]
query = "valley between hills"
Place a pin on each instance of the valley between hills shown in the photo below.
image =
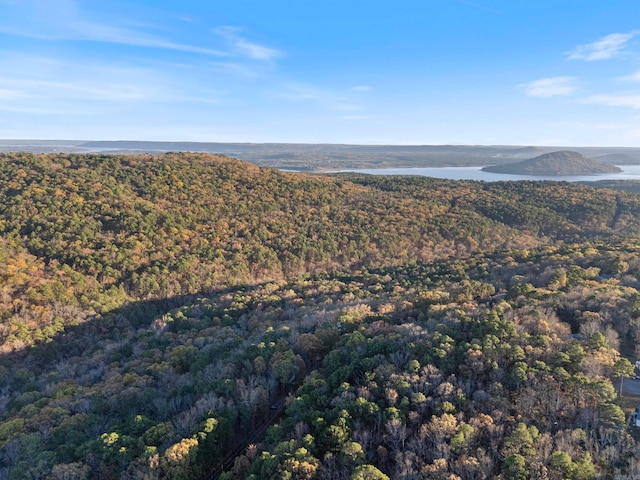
(194, 316)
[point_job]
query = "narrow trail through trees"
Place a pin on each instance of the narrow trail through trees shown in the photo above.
(252, 437)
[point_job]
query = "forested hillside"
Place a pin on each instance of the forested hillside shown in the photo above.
(96, 232)
(158, 313)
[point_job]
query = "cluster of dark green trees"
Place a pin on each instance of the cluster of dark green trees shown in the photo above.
(157, 313)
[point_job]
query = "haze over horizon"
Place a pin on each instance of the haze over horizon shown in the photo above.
(490, 72)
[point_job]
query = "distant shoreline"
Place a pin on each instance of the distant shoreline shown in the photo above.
(323, 158)
(630, 172)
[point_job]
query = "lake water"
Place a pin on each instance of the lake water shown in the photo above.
(630, 172)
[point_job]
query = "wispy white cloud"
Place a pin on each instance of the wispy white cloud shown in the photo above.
(328, 99)
(301, 92)
(631, 100)
(35, 82)
(92, 87)
(108, 91)
(362, 88)
(634, 77)
(102, 80)
(237, 69)
(607, 47)
(42, 111)
(6, 94)
(64, 20)
(256, 51)
(550, 87)
(246, 48)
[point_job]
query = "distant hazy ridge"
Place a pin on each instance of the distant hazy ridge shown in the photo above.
(331, 157)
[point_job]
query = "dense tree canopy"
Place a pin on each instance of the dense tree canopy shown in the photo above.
(98, 231)
(183, 315)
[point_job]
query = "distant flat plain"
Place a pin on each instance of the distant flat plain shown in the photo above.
(441, 159)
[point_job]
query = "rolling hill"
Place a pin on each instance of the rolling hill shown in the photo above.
(193, 316)
(555, 163)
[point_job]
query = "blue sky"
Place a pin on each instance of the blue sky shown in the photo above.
(544, 72)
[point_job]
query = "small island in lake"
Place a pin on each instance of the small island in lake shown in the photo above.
(555, 163)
